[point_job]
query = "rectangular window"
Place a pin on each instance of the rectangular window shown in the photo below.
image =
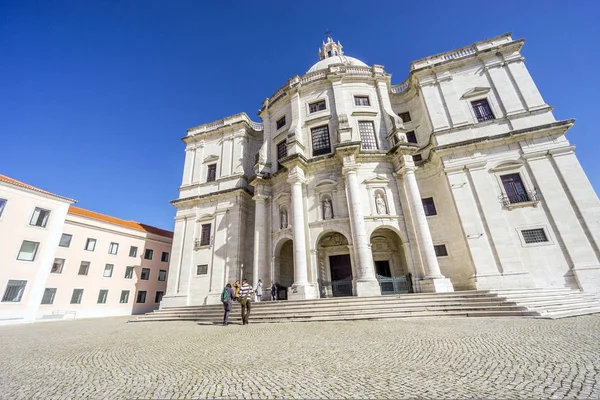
(28, 251)
(411, 137)
(164, 257)
(429, 206)
(14, 291)
(281, 152)
(133, 251)
(39, 217)
(108, 270)
(367, 135)
(405, 116)
(320, 140)
(211, 173)
(440, 250)
(417, 157)
(124, 297)
(128, 272)
(361, 101)
(158, 296)
(482, 110)
(102, 295)
(65, 240)
(205, 235)
(317, 106)
(141, 296)
(514, 188)
(281, 122)
(77, 296)
(148, 254)
(57, 266)
(162, 275)
(534, 236)
(90, 244)
(202, 269)
(84, 268)
(113, 248)
(48, 297)
(2, 205)
(145, 274)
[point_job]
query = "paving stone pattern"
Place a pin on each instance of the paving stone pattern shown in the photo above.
(391, 359)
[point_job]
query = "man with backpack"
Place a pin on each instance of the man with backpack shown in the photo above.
(245, 298)
(227, 300)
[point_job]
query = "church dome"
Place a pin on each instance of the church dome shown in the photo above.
(331, 53)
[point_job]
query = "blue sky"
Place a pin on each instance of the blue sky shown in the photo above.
(95, 96)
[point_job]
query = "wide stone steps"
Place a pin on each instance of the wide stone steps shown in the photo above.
(539, 303)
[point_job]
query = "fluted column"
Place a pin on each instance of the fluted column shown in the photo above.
(260, 238)
(431, 266)
(300, 270)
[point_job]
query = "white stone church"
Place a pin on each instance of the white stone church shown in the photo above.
(457, 178)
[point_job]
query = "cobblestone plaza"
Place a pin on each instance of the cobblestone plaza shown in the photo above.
(425, 358)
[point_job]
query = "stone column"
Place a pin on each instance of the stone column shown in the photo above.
(260, 238)
(301, 289)
(366, 282)
(433, 281)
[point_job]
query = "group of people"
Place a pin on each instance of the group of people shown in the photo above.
(243, 293)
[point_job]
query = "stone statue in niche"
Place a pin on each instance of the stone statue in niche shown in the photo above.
(380, 204)
(327, 209)
(284, 220)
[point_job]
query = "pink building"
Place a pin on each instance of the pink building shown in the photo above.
(75, 263)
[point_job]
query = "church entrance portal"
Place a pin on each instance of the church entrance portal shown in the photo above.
(335, 266)
(390, 262)
(284, 268)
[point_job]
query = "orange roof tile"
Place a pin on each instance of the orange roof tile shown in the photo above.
(121, 222)
(15, 182)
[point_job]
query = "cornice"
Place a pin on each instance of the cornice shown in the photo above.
(211, 196)
(560, 126)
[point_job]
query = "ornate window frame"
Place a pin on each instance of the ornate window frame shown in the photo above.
(508, 167)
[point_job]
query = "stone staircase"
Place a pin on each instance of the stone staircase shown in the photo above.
(535, 303)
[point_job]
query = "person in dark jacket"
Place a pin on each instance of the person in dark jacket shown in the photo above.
(274, 292)
(227, 300)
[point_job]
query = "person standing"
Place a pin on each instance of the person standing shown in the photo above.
(274, 292)
(246, 299)
(227, 300)
(236, 290)
(259, 291)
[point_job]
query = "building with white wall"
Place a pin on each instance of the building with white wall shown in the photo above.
(457, 178)
(61, 261)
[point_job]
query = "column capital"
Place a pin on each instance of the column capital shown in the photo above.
(405, 169)
(260, 197)
(296, 175)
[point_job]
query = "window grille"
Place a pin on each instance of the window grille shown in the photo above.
(281, 153)
(211, 174)
(534, 236)
(281, 122)
(440, 250)
(482, 109)
(205, 235)
(202, 269)
(367, 135)
(320, 140)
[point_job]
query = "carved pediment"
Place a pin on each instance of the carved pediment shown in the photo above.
(476, 92)
(378, 179)
(211, 158)
(506, 165)
(205, 217)
(325, 185)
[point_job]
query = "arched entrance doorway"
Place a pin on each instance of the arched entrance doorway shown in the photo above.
(390, 263)
(284, 267)
(335, 266)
